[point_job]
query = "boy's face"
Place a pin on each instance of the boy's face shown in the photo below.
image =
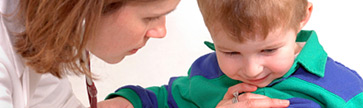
(259, 61)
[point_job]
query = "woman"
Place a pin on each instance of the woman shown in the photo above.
(43, 40)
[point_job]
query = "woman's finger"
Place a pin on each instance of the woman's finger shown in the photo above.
(249, 96)
(264, 103)
(250, 100)
(256, 100)
(241, 87)
(254, 103)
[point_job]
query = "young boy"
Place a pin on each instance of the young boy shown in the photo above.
(258, 42)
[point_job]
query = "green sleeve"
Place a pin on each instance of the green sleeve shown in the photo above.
(129, 94)
(161, 95)
(355, 102)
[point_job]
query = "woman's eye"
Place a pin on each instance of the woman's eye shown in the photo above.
(269, 50)
(152, 18)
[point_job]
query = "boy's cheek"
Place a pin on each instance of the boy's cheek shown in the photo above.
(225, 62)
(279, 68)
(228, 67)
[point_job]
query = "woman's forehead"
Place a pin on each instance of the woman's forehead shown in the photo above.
(154, 7)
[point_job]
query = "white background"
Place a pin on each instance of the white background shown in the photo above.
(337, 23)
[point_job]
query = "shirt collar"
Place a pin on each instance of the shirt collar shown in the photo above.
(312, 56)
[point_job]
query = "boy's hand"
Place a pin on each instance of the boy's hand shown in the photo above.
(249, 100)
(117, 102)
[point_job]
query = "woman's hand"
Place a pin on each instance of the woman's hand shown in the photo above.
(117, 102)
(249, 100)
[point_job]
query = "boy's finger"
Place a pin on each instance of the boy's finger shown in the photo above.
(241, 87)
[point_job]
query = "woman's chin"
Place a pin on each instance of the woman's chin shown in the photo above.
(113, 60)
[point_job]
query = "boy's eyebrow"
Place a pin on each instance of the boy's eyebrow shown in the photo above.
(278, 44)
(221, 47)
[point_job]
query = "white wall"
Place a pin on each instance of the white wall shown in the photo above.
(338, 24)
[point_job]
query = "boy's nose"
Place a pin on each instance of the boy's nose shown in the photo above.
(252, 68)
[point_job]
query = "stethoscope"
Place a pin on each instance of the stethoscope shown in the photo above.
(91, 88)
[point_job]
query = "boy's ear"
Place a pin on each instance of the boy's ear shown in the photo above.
(309, 10)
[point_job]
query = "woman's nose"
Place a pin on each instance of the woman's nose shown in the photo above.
(158, 29)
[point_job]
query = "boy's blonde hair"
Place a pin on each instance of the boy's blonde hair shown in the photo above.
(244, 19)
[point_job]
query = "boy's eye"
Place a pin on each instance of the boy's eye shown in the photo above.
(269, 50)
(231, 53)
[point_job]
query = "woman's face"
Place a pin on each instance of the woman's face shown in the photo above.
(127, 30)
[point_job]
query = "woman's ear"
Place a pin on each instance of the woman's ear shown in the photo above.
(309, 10)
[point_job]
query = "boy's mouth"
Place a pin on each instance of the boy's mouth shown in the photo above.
(259, 80)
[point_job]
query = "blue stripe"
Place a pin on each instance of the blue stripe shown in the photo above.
(302, 103)
(206, 66)
(338, 79)
(171, 101)
(148, 98)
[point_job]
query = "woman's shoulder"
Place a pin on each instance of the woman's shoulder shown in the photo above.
(8, 6)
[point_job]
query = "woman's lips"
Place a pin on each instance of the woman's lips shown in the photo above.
(134, 50)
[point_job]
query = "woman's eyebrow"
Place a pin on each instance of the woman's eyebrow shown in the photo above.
(165, 13)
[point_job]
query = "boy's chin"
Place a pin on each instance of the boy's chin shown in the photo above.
(260, 85)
